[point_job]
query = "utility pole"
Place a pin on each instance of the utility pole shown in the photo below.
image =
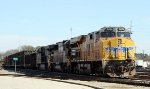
(143, 54)
(131, 26)
(71, 32)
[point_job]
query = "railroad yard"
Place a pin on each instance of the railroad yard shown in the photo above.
(74, 44)
(32, 79)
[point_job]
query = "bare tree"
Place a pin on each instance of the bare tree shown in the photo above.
(9, 52)
(27, 48)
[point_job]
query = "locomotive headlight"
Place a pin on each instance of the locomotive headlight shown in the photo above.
(129, 56)
(113, 56)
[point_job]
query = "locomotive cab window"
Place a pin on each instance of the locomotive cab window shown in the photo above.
(108, 34)
(123, 34)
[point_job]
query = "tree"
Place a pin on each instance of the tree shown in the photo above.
(13, 51)
(1, 55)
(9, 52)
(27, 48)
(142, 56)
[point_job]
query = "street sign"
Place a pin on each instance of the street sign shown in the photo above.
(15, 59)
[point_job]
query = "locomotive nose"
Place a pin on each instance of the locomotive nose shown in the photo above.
(120, 49)
(125, 48)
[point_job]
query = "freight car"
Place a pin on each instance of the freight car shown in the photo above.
(109, 51)
(26, 59)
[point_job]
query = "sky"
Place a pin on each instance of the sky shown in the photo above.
(45, 22)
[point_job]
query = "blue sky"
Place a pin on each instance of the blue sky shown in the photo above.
(43, 22)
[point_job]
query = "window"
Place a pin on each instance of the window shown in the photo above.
(123, 34)
(107, 34)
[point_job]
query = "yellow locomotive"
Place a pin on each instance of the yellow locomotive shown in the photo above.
(117, 52)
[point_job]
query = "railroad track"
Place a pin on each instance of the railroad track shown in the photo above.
(141, 79)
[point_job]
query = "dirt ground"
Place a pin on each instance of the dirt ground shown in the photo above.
(23, 82)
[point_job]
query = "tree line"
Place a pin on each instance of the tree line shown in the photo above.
(22, 48)
(142, 56)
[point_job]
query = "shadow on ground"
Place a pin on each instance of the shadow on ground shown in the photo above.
(51, 77)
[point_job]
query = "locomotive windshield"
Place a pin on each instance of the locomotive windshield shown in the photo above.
(123, 34)
(108, 34)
